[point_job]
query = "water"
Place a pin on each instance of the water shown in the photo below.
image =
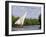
(31, 27)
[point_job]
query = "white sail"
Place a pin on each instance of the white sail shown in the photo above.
(20, 21)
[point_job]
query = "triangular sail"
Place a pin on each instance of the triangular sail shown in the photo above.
(21, 20)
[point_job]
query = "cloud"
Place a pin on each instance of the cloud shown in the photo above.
(33, 12)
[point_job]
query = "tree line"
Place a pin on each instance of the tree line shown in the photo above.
(27, 21)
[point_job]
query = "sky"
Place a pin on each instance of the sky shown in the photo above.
(32, 11)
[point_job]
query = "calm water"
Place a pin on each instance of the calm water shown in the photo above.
(32, 27)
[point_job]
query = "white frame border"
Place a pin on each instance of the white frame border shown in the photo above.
(30, 31)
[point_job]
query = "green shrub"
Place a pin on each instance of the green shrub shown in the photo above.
(26, 21)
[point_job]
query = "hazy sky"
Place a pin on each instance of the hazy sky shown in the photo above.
(32, 11)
